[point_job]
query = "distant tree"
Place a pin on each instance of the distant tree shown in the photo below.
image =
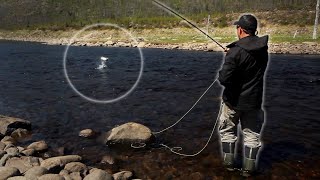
(316, 21)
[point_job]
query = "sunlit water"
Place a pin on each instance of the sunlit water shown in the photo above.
(33, 87)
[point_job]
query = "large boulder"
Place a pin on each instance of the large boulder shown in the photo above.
(59, 162)
(6, 172)
(9, 124)
(129, 133)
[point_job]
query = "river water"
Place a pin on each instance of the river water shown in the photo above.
(33, 87)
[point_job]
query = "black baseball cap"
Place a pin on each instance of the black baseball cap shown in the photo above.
(247, 22)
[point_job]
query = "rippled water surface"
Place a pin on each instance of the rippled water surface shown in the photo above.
(33, 87)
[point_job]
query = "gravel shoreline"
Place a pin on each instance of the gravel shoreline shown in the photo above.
(275, 48)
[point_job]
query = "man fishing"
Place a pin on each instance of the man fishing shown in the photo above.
(242, 76)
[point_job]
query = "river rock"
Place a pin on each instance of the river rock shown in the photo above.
(59, 161)
(28, 152)
(76, 167)
(141, 44)
(17, 178)
(22, 163)
(123, 175)
(130, 133)
(38, 146)
(211, 47)
(98, 174)
(6, 172)
(20, 149)
(13, 151)
(123, 44)
(8, 146)
(20, 133)
(109, 43)
(107, 159)
(75, 176)
(8, 140)
(4, 159)
(2, 145)
(65, 174)
(9, 124)
(35, 172)
(67, 177)
(86, 133)
(51, 177)
(2, 153)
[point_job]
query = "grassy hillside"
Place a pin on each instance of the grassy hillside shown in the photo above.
(65, 14)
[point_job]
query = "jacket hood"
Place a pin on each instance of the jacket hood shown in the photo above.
(251, 43)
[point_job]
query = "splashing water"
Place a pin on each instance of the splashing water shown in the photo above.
(103, 63)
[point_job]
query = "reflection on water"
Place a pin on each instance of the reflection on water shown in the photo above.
(33, 87)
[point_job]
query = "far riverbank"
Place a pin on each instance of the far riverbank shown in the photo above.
(176, 38)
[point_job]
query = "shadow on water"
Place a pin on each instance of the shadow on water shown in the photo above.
(34, 88)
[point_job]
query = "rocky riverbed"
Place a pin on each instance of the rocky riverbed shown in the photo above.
(35, 161)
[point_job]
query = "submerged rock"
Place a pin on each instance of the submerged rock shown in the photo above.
(107, 159)
(86, 133)
(129, 133)
(9, 124)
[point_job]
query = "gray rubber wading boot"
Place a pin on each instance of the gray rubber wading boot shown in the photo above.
(249, 161)
(228, 155)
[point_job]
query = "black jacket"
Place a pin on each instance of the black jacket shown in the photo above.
(243, 71)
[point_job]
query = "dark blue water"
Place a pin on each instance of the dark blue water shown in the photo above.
(33, 87)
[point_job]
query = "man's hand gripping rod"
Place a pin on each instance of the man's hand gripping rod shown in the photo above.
(159, 4)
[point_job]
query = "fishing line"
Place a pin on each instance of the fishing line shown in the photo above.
(168, 9)
(175, 149)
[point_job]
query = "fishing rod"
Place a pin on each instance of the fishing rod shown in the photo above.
(159, 4)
